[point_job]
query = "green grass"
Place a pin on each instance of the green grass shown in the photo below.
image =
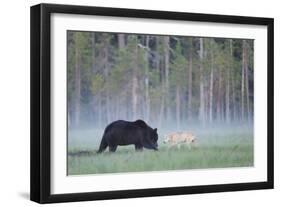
(214, 150)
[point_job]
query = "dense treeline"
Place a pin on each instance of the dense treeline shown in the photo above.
(161, 79)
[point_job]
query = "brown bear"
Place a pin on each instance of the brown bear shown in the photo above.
(120, 133)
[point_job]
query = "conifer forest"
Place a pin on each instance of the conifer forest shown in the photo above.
(163, 80)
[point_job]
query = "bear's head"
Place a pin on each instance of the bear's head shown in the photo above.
(151, 140)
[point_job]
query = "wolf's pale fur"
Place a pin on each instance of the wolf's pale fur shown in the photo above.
(179, 138)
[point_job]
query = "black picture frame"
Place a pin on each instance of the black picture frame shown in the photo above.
(41, 98)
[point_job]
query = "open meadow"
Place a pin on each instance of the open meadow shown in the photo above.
(215, 148)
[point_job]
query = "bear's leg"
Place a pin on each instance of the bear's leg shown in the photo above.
(112, 148)
(138, 147)
(103, 145)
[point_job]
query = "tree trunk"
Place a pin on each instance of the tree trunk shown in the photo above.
(134, 96)
(77, 90)
(135, 83)
(106, 73)
(166, 70)
(147, 97)
(121, 41)
(219, 104)
(93, 41)
(93, 73)
(162, 84)
(178, 106)
(202, 97)
(190, 82)
(211, 87)
(243, 81)
(247, 80)
(99, 110)
(234, 110)
(227, 101)
(234, 107)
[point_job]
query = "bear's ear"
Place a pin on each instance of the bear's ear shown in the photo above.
(155, 129)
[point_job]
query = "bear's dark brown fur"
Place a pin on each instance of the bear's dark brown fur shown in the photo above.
(120, 133)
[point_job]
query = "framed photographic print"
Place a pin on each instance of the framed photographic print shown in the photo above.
(133, 103)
